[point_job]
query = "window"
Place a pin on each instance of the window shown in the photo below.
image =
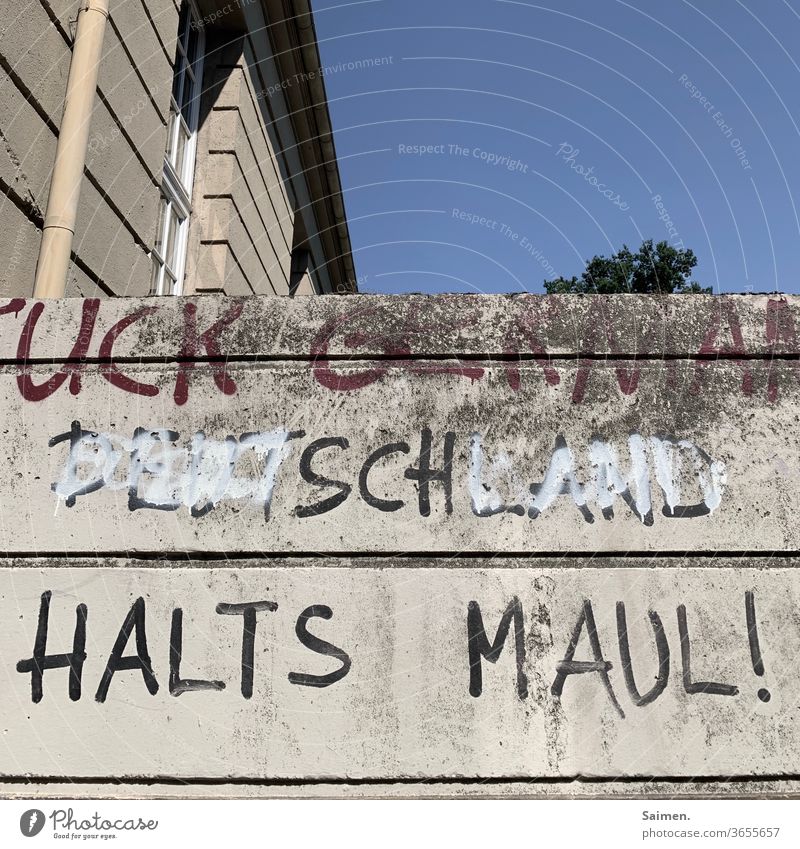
(169, 250)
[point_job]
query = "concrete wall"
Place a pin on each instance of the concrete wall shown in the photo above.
(249, 180)
(483, 544)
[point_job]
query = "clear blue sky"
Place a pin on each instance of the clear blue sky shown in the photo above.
(698, 103)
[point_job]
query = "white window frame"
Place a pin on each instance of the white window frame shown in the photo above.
(176, 189)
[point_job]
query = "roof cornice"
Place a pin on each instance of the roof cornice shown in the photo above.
(294, 41)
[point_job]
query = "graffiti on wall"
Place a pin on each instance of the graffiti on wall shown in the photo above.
(512, 628)
(585, 655)
(619, 639)
(160, 470)
(134, 628)
(397, 348)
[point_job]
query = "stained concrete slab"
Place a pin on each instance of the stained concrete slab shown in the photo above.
(612, 480)
(603, 672)
(434, 461)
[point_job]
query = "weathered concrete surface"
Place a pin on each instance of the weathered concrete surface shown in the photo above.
(728, 326)
(406, 705)
(699, 466)
(549, 789)
(622, 450)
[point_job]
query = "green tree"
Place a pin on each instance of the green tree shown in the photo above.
(652, 270)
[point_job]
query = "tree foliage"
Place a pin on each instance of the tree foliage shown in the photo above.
(657, 269)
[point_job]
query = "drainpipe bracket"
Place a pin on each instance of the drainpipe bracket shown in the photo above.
(55, 222)
(95, 6)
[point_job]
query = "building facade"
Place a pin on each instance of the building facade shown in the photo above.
(210, 164)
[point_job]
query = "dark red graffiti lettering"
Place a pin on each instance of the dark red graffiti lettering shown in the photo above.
(627, 378)
(780, 329)
(209, 339)
(710, 346)
(521, 337)
(110, 370)
(393, 344)
(192, 345)
(322, 371)
(399, 340)
(28, 389)
(15, 305)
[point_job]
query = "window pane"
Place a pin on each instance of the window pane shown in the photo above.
(190, 87)
(179, 74)
(155, 277)
(170, 243)
(159, 240)
(172, 238)
(183, 24)
(180, 151)
(194, 41)
(173, 124)
(170, 283)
